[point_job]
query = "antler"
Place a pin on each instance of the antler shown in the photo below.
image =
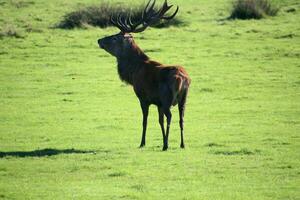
(149, 17)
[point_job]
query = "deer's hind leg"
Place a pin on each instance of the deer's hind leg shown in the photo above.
(161, 123)
(181, 108)
(166, 99)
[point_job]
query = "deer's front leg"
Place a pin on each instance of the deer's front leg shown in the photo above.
(145, 109)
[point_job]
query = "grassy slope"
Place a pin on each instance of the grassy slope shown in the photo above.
(59, 91)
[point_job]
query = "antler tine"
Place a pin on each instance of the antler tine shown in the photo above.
(148, 10)
(120, 22)
(130, 22)
(126, 21)
(124, 25)
(164, 9)
(113, 22)
(149, 17)
(172, 16)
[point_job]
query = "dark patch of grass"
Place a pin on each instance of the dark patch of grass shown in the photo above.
(285, 167)
(287, 36)
(206, 90)
(212, 144)
(253, 31)
(3, 52)
(139, 188)
(107, 127)
(126, 196)
(66, 93)
(240, 98)
(252, 9)
(100, 15)
(3, 169)
(67, 100)
(270, 140)
(243, 151)
(152, 50)
(71, 74)
(285, 143)
(116, 174)
(290, 10)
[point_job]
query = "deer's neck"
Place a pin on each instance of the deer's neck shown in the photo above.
(130, 63)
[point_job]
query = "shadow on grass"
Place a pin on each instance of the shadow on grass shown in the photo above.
(42, 152)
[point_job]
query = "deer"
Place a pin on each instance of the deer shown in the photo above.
(153, 83)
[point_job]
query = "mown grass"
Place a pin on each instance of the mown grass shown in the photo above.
(69, 129)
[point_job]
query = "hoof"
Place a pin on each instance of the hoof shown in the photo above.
(142, 145)
(165, 148)
(182, 146)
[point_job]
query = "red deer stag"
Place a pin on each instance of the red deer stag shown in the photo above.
(153, 83)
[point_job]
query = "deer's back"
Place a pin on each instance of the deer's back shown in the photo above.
(152, 77)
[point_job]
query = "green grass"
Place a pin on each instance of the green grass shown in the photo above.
(69, 129)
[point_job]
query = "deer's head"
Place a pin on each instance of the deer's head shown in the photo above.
(118, 45)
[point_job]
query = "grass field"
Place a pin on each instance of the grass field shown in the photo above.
(70, 129)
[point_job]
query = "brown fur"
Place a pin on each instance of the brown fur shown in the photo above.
(153, 83)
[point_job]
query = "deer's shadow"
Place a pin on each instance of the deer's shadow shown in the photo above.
(43, 152)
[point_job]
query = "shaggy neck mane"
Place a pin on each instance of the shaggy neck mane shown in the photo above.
(130, 62)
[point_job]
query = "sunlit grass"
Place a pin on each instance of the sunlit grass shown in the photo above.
(70, 129)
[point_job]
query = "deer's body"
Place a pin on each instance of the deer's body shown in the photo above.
(153, 82)
(148, 77)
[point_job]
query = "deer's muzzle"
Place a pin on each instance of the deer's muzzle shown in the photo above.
(100, 42)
